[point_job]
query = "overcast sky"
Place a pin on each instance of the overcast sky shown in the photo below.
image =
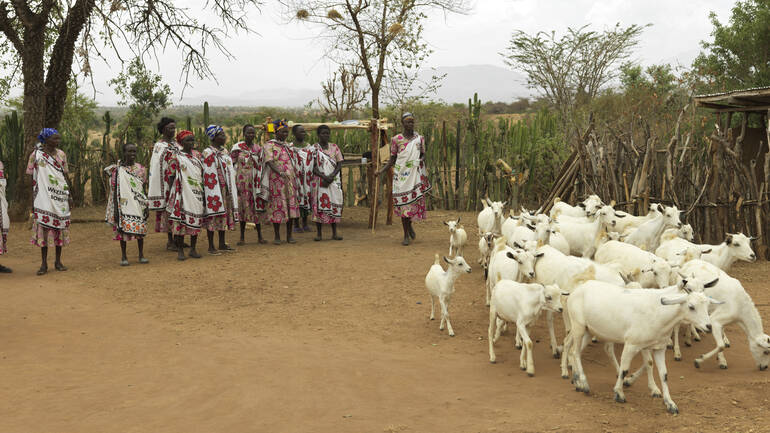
(677, 28)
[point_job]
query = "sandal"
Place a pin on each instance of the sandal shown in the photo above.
(143, 260)
(277, 242)
(5, 270)
(42, 271)
(226, 248)
(262, 241)
(291, 241)
(337, 238)
(406, 242)
(194, 254)
(124, 263)
(59, 267)
(317, 238)
(214, 253)
(241, 243)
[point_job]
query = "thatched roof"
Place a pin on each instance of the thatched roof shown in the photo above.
(756, 99)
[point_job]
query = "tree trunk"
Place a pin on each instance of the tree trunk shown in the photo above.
(34, 113)
(375, 103)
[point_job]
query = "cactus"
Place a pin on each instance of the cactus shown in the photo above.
(206, 114)
(188, 124)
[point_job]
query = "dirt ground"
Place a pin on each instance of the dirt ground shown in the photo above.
(313, 337)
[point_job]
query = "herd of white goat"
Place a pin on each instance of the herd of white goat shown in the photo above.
(613, 277)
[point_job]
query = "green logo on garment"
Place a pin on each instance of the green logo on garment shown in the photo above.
(409, 164)
(53, 180)
(133, 183)
(192, 182)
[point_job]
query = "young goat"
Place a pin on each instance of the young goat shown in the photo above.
(457, 237)
(486, 244)
(521, 303)
(441, 284)
(490, 218)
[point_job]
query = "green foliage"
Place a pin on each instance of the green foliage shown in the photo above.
(12, 149)
(145, 94)
(738, 56)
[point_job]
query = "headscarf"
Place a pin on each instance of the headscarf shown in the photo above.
(406, 116)
(280, 124)
(182, 134)
(213, 130)
(45, 134)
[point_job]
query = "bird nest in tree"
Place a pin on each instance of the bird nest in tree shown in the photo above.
(334, 15)
(395, 28)
(302, 14)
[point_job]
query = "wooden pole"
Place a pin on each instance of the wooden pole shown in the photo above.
(372, 175)
(388, 179)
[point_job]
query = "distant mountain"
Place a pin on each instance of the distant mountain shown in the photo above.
(492, 83)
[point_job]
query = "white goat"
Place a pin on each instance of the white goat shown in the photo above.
(588, 207)
(486, 244)
(583, 238)
(630, 222)
(639, 318)
(457, 237)
(511, 264)
(636, 264)
(735, 247)
(521, 304)
(441, 284)
(685, 232)
(738, 308)
(490, 218)
(647, 235)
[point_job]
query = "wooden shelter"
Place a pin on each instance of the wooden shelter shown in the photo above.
(378, 131)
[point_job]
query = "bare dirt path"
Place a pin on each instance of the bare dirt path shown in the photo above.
(312, 337)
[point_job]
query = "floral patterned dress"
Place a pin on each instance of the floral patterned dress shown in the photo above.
(282, 194)
(250, 207)
(161, 216)
(45, 236)
(172, 166)
(224, 173)
(333, 151)
(415, 211)
(139, 171)
(3, 213)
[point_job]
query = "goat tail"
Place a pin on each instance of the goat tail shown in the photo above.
(436, 260)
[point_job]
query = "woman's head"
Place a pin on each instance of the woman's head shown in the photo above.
(167, 127)
(298, 131)
(249, 133)
(129, 152)
(281, 129)
(324, 132)
(49, 137)
(186, 139)
(216, 134)
(407, 120)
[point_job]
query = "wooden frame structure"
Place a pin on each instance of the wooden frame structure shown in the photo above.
(378, 131)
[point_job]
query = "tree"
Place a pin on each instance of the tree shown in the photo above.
(739, 55)
(383, 36)
(572, 69)
(145, 94)
(45, 38)
(342, 93)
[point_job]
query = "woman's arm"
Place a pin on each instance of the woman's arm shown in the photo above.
(389, 164)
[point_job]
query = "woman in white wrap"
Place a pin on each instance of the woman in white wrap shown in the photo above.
(410, 178)
(186, 197)
(326, 198)
(158, 186)
(51, 198)
(127, 203)
(5, 221)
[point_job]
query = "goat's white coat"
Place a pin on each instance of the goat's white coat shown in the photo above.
(441, 284)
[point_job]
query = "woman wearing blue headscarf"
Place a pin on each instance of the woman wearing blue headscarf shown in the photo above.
(221, 196)
(51, 191)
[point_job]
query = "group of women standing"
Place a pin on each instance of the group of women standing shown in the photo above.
(279, 183)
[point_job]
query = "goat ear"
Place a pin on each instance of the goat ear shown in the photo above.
(446, 223)
(447, 260)
(458, 220)
(673, 300)
(510, 255)
(729, 239)
(706, 251)
(711, 283)
(516, 244)
(531, 227)
(504, 203)
(565, 293)
(660, 207)
(714, 301)
(619, 215)
(538, 255)
(581, 204)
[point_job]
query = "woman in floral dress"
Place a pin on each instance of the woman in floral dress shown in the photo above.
(410, 180)
(185, 198)
(127, 209)
(247, 158)
(221, 206)
(51, 198)
(282, 206)
(304, 167)
(5, 221)
(158, 186)
(326, 198)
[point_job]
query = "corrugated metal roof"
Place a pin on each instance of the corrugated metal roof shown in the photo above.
(753, 89)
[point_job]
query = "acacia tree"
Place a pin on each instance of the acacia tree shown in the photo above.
(571, 70)
(45, 38)
(383, 36)
(342, 92)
